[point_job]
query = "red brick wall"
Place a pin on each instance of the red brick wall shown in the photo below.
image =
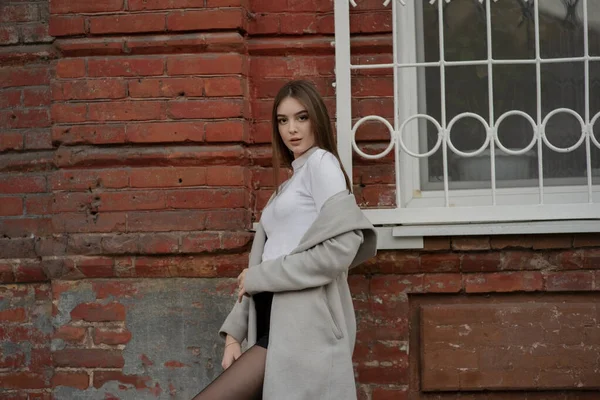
(135, 155)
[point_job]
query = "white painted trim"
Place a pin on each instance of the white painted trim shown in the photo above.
(508, 228)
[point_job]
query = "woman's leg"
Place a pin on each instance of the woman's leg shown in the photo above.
(243, 380)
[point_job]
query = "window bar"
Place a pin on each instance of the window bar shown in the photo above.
(342, 85)
(586, 85)
(443, 101)
(538, 78)
(491, 98)
(394, 134)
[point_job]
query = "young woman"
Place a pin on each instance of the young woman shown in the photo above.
(294, 306)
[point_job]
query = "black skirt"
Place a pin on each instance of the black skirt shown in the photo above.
(262, 303)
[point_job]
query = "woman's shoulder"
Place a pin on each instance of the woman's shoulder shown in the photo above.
(322, 158)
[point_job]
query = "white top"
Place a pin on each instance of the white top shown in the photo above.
(317, 176)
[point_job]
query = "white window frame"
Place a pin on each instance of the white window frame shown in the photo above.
(542, 209)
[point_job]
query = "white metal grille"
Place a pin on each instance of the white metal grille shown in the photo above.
(414, 206)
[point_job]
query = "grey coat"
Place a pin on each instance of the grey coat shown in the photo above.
(313, 327)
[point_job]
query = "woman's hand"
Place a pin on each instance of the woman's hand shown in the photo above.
(241, 289)
(232, 352)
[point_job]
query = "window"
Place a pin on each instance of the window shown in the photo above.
(496, 111)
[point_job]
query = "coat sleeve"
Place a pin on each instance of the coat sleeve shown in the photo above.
(236, 323)
(313, 267)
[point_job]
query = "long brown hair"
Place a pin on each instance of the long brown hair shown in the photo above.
(306, 93)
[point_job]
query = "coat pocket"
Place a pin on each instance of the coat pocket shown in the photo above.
(335, 327)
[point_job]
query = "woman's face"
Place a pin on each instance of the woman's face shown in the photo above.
(295, 126)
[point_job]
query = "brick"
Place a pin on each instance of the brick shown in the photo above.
(448, 262)
(205, 109)
(128, 23)
(38, 140)
(26, 227)
(35, 33)
(191, 20)
(25, 118)
(60, 25)
(442, 283)
(165, 132)
(38, 204)
(19, 13)
(225, 176)
(87, 179)
(298, 24)
(96, 267)
(200, 242)
(586, 240)
(111, 337)
(432, 243)
(15, 77)
(226, 131)
(70, 7)
(9, 35)
(228, 220)
(78, 380)
(159, 243)
(93, 312)
(70, 68)
(385, 284)
(13, 315)
(542, 242)
(137, 5)
(6, 273)
(383, 393)
(381, 374)
(22, 184)
(11, 141)
(126, 111)
(89, 89)
(263, 24)
(103, 377)
(471, 243)
(525, 260)
(205, 64)
(10, 98)
(36, 97)
(224, 86)
(11, 206)
(164, 221)
(17, 248)
(123, 201)
(591, 259)
(89, 358)
(72, 334)
(167, 87)
(63, 112)
(119, 66)
(89, 134)
(206, 198)
(481, 262)
(23, 380)
(511, 241)
(503, 282)
(569, 281)
(168, 177)
(120, 244)
(378, 196)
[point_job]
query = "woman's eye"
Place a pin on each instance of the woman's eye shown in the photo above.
(281, 121)
(303, 117)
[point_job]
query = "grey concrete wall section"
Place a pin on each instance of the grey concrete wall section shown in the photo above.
(174, 348)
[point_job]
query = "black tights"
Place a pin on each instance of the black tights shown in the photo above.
(243, 380)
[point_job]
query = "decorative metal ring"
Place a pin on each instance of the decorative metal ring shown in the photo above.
(561, 149)
(373, 156)
(437, 144)
(487, 136)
